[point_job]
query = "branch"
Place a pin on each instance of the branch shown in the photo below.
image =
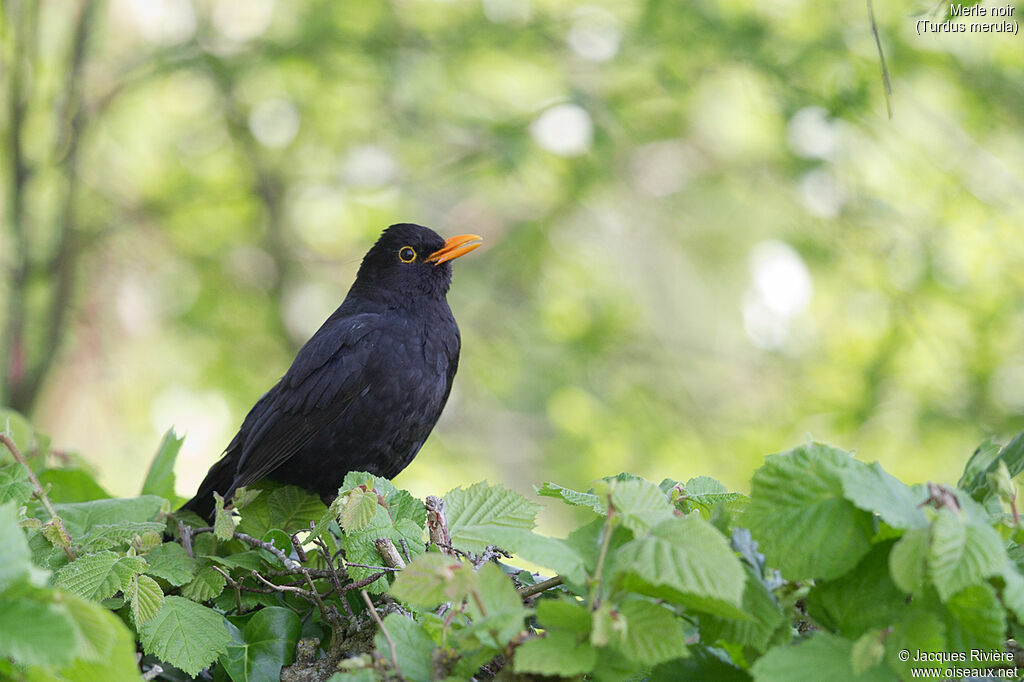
(389, 553)
(41, 496)
(384, 630)
(437, 525)
(530, 590)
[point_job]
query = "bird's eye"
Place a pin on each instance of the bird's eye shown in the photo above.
(407, 254)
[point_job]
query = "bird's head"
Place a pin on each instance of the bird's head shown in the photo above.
(410, 259)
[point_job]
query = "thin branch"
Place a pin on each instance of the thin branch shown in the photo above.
(529, 590)
(437, 525)
(269, 546)
(881, 56)
(389, 553)
(41, 495)
(384, 630)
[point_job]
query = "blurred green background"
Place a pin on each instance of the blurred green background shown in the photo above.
(704, 237)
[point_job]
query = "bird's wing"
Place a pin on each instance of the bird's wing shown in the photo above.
(332, 370)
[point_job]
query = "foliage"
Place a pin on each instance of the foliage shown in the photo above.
(828, 570)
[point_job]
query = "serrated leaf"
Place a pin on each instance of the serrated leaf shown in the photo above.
(872, 489)
(688, 560)
(908, 561)
(868, 651)
(80, 517)
(109, 644)
(975, 619)
(553, 553)
(822, 657)
(263, 647)
(145, 597)
(563, 614)
(223, 520)
(639, 504)
(36, 632)
(433, 578)
(160, 477)
(652, 633)
(484, 515)
(557, 654)
(207, 584)
(185, 634)
(17, 559)
(496, 609)
(413, 646)
(72, 485)
(962, 554)
(14, 484)
(292, 508)
(360, 549)
(704, 493)
(572, 497)
(800, 517)
(107, 536)
(1013, 592)
(170, 562)
(356, 508)
(98, 576)
(863, 599)
(755, 631)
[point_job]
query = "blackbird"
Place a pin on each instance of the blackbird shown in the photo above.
(367, 388)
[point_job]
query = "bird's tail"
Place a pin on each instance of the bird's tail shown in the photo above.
(219, 480)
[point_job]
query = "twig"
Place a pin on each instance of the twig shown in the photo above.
(389, 553)
(881, 56)
(185, 532)
(41, 495)
(490, 552)
(437, 525)
(384, 630)
(529, 590)
(360, 584)
(269, 546)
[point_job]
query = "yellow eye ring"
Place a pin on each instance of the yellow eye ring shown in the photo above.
(407, 254)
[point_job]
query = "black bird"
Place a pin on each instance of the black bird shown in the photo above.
(366, 390)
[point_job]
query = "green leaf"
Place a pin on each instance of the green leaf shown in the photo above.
(872, 489)
(98, 576)
(19, 430)
(496, 610)
(704, 493)
(868, 651)
(433, 578)
(292, 508)
(224, 521)
(755, 631)
(160, 477)
(975, 619)
(978, 466)
(267, 643)
(962, 554)
(360, 549)
(559, 653)
(170, 562)
(687, 560)
(800, 517)
(639, 504)
(71, 485)
(14, 483)
(918, 628)
(36, 632)
(105, 646)
(822, 657)
(145, 597)
(553, 553)
(652, 633)
(1013, 592)
(17, 559)
(185, 634)
(863, 599)
(414, 647)
(908, 561)
(356, 508)
(80, 517)
(564, 614)
(571, 497)
(207, 584)
(111, 535)
(484, 515)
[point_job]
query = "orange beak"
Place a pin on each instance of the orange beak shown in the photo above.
(455, 247)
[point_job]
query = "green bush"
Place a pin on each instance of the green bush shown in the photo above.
(830, 569)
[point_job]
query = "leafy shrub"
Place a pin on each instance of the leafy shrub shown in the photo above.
(830, 569)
